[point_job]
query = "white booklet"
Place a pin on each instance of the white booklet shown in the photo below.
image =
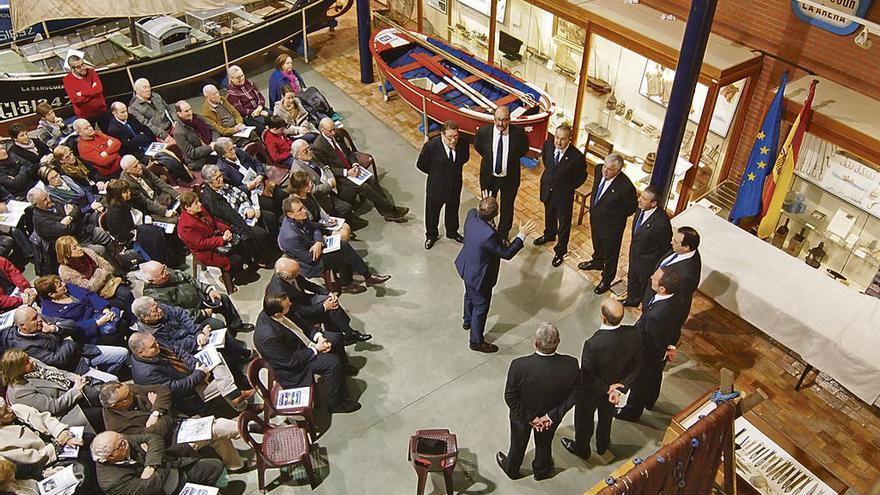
(62, 482)
(621, 402)
(245, 131)
(195, 430)
(209, 357)
(71, 452)
(293, 397)
(101, 376)
(217, 338)
(14, 211)
(194, 489)
(167, 227)
(362, 176)
(154, 148)
(332, 243)
(337, 225)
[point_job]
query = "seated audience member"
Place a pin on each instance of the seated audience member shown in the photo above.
(64, 190)
(294, 116)
(85, 91)
(283, 75)
(68, 164)
(245, 172)
(323, 180)
(95, 322)
(10, 484)
(82, 267)
(172, 326)
(223, 117)
(247, 99)
(151, 110)
(50, 128)
(212, 242)
(134, 136)
(139, 464)
(311, 304)
(62, 394)
(194, 136)
(303, 241)
(32, 439)
(44, 341)
(302, 188)
(137, 409)
(200, 300)
(98, 149)
(277, 143)
(343, 163)
(149, 193)
(25, 148)
(295, 358)
(17, 175)
(191, 383)
(50, 223)
(233, 207)
(149, 241)
(15, 290)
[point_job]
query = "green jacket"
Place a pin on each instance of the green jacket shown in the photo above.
(182, 291)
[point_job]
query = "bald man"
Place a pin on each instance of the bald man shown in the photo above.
(134, 136)
(609, 365)
(501, 146)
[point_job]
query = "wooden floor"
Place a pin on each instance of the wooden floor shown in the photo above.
(828, 422)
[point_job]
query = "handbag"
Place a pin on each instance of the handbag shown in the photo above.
(230, 245)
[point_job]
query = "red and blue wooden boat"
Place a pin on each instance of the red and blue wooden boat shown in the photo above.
(447, 83)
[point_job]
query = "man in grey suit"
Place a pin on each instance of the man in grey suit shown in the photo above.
(322, 178)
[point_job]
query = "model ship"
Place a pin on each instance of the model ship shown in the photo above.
(447, 83)
(167, 49)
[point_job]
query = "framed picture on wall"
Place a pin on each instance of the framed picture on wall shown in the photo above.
(484, 7)
(438, 4)
(568, 33)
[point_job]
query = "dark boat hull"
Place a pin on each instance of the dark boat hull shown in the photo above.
(20, 96)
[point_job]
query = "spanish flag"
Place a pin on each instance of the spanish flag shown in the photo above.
(779, 182)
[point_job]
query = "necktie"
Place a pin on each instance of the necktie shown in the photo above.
(558, 156)
(499, 154)
(314, 166)
(599, 191)
(652, 300)
(296, 330)
(130, 130)
(639, 220)
(451, 157)
(174, 360)
(340, 154)
(669, 260)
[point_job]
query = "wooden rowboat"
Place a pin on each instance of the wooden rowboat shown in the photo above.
(447, 83)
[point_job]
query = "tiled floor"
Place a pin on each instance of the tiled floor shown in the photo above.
(829, 423)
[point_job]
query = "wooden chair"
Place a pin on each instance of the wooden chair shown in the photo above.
(595, 152)
(227, 278)
(269, 390)
(282, 447)
(425, 463)
(362, 158)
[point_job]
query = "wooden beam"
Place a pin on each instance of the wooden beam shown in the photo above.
(697, 149)
(493, 27)
(582, 85)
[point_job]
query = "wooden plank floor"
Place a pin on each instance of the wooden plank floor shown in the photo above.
(825, 420)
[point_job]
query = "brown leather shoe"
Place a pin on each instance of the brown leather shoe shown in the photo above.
(353, 288)
(243, 398)
(485, 347)
(376, 279)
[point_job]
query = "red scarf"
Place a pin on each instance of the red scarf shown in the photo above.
(85, 265)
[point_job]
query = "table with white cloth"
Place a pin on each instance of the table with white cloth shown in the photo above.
(831, 327)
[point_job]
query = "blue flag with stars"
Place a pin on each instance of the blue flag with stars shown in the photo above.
(761, 160)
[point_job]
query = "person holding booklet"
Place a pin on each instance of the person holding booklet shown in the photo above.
(304, 241)
(149, 193)
(245, 172)
(302, 187)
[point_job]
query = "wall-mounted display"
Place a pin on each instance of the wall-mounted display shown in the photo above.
(484, 7)
(568, 33)
(437, 4)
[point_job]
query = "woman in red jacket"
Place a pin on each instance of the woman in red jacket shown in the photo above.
(203, 235)
(10, 280)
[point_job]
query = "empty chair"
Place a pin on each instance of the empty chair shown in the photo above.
(283, 447)
(432, 451)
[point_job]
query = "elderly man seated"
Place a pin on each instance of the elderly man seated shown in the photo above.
(304, 241)
(224, 118)
(295, 358)
(245, 172)
(134, 136)
(322, 177)
(149, 193)
(194, 136)
(192, 383)
(311, 304)
(139, 409)
(53, 221)
(151, 110)
(139, 464)
(44, 341)
(98, 149)
(247, 99)
(200, 300)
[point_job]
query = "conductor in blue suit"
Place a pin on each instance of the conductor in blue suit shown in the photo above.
(478, 263)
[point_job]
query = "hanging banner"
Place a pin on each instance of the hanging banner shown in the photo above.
(829, 19)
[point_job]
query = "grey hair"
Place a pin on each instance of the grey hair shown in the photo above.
(297, 145)
(209, 88)
(127, 161)
(141, 82)
(614, 159)
(109, 394)
(209, 172)
(234, 70)
(79, 124)
(142, 305)
(34, 195)
(326, 124)
(546, 338)
(22, 312)
(137, 341)
(221, 145)
(101, 445)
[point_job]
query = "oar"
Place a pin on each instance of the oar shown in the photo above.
(438, 69)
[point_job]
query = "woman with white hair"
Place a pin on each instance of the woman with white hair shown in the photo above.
(247, 99)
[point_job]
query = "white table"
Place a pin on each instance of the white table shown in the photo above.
(831, 327)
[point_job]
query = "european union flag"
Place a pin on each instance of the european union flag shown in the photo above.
(761, 160)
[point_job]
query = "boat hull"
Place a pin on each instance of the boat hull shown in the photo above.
(468, 120)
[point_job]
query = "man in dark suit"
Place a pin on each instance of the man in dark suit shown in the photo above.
(685, 260)
(501, 146)
(295, 358)
(312, 304)
(613, 201)
(660, 327)
(344, 163)
(609, 364)
(540, 390)
(564, 171)
(134, 136)
(478, 263)
(651, 233)
(442, 158)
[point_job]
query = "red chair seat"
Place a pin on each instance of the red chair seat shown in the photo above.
(284, 445)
